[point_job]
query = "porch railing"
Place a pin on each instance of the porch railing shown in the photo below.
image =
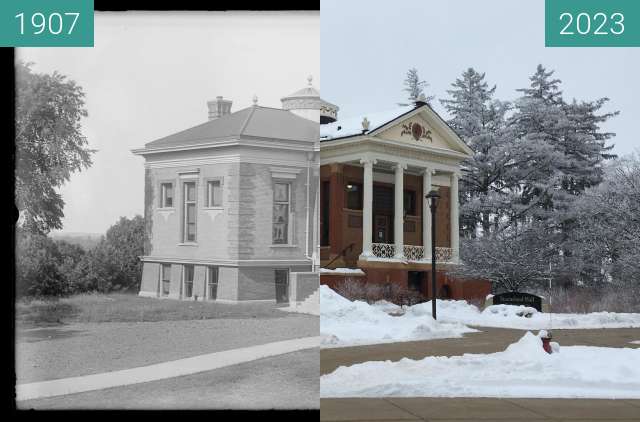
(411, 252)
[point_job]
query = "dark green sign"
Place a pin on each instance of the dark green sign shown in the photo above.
(592, 23)
(46, 23)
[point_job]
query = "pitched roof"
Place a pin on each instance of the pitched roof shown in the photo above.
(353, 125)
(255, 121)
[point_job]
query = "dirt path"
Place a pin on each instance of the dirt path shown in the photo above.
(489, 340)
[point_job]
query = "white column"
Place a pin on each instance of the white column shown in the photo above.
(426, 214)
(398, 213)
(367, 207)
(455, 232)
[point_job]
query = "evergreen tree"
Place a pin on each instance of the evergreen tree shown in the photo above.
(414, 87)
(479, 120)
(558, 148)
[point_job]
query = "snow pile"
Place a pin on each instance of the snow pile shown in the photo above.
(635, 342)
(388, 307)
(347, 323)
(342, 271)
(522, 317)
(523, 369)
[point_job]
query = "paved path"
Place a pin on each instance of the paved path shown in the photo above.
(289, 381)
(478, 409)
(490, 340)
(163, 370)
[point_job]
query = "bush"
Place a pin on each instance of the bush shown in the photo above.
(586, 299)
(40, 267)
(354, 289)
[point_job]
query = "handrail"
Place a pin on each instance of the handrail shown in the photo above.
(350, 247)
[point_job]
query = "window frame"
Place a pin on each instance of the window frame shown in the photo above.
(162, 195)
(359, 192)
(165, 277)
(185, 212)
(207, 183)
(185, 282)
(211, 269)
(288, 225)
(407, 194)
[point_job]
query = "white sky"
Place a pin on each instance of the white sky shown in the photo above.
(150, 74)
(368, 45)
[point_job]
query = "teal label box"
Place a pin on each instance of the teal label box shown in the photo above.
(592, 23)
(46, 23)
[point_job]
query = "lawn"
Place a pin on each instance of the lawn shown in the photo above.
(121, 307)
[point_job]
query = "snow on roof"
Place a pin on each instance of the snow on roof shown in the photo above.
(353, 125)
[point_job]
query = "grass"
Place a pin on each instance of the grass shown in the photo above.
(121, 307)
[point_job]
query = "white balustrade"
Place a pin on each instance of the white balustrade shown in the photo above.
(411, 252)
(383, 250)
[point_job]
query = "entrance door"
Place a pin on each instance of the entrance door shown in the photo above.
(381, 229)
(282, 285)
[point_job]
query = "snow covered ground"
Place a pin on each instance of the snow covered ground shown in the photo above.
(524, 369)
(510, 316)
(347, 323)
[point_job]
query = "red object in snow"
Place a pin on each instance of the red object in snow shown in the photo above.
(546, 344)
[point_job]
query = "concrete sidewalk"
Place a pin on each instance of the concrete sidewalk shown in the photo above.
(161, 371)
(478, 409)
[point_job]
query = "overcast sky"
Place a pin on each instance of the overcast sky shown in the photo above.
(150, 75)
(367, 47)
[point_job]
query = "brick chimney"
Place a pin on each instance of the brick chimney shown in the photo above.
(218, 107)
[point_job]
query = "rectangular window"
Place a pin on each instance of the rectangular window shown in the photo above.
(166, 195)
(212, 283)
(281, 203)
(354, 196)
(188, 280)
(190, 210)
(214, 193)
(166, 278)
(409, 202)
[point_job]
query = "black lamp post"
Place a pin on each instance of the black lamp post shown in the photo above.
(433, 196)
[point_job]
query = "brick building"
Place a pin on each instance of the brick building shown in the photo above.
(230, 203)
(375, 172)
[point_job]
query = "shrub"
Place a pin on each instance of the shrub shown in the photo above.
(354, 289)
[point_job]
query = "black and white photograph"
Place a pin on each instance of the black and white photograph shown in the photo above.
(167, 188)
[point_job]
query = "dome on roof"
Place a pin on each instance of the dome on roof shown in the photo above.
(306, 102)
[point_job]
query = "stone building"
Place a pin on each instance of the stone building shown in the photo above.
(230, 203)
(376, 169)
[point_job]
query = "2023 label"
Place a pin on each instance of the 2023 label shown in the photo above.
(602, 24)
(592, 23)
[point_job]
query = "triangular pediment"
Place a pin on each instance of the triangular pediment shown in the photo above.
(423, 128)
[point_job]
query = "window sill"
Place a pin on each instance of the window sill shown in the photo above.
(284, 246)
(166, 208)
(212, 208)
(188, 244)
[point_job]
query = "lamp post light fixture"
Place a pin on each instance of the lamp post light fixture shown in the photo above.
(433, 196)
